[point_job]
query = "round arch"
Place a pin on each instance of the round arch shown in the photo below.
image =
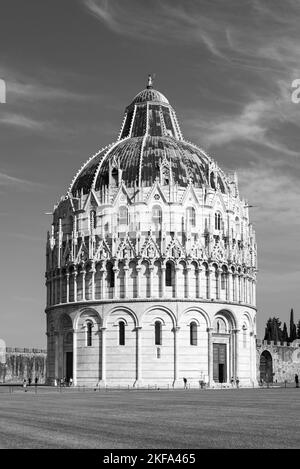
(195, 309)
(229, 315)
(159, 308)
(266, 367)
(87, 314)
(121, 309)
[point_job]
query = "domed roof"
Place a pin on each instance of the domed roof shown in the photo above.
(149, 94)
(150, 140)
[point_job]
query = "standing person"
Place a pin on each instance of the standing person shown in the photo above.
(29, 381)
(25, 385)
(70, 381)
(184, 383)
(297, 381)
(36, 381)
(237, 382)
(232, 381)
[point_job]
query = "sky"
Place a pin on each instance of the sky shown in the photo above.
(72, 66)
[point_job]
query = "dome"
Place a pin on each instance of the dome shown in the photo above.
(149, 94)
(150, 138)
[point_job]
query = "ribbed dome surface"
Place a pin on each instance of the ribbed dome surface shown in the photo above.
(150, 139)
(141, 158)
(149, 94)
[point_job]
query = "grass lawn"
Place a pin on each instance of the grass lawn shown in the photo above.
(233, 418)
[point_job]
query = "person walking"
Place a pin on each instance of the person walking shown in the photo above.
(237, 382)
(36, 381)
(25, 385)
(297, 380)
(232, 381)
(184, 383)
(29, 381)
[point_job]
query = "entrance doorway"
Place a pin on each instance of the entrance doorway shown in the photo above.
(219, 363)
(266, 367)
(69, 365)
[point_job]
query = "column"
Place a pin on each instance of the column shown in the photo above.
(233, 287)
(240, 287)
(138, 281)
(251, 356)
(126, 273)
(208, 277)
(210, 356)
(138, 379)
(218, 293)
(60, 286)
(103, 356)
(236, 354)
(175, 330)
(116, 289)
(102, 282)
(53, 290)
(75, 285)
(163, 281)
(56, 338)
(83, 284)
(151, 268)
(176, 281)
(198, 295)
(229, 286)
(93, 272)
(75, 357)
(187, 281)
(67, 287)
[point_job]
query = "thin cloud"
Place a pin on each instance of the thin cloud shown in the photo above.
(18, 120)
(252, 124)
(159, 22)
(8, 181)
(36, 91)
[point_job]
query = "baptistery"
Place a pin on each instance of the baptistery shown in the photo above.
(151, 264)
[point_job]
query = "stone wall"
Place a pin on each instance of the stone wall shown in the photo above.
(23, 363)
(285, 359)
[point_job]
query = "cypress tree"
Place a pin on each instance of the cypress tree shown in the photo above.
(285, 336)
(293, 331)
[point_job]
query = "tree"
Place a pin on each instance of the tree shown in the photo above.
(285, 336)
(268, 330)
(273, 330)
(293, 331)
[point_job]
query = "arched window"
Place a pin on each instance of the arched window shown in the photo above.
(168, 274)
(110, 275)
(223, 280)
(123, 216)
(191, 216)
(114, 177)
(93, 219)
(193, 333)
(121, 333)
(156, 215)
(158, 330)
(89, 327)
(218, 220)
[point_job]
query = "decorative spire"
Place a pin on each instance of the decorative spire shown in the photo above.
(150, 82)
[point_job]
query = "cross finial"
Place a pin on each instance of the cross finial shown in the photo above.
(150, 81)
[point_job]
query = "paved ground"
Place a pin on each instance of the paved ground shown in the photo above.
(229, 418)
